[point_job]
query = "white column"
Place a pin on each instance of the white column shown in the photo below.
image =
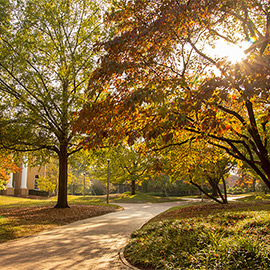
(24, 176)
(10, 182)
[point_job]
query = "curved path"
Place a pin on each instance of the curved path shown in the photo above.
(90, 244)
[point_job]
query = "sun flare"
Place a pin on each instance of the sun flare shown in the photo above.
(232, 52)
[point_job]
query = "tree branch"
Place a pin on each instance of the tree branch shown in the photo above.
(204, 192)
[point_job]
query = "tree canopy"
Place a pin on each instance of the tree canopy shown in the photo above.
(165, 83)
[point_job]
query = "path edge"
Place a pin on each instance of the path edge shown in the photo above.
(124, 261)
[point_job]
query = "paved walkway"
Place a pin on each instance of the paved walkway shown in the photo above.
(91, 244)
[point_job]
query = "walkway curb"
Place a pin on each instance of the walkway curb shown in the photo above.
(124, 261)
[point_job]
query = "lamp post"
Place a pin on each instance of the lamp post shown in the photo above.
(201, 182)
(83, 184)
(201, 187)
(108, 180)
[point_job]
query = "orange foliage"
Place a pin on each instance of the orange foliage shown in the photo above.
(155, 83)
(7, 166)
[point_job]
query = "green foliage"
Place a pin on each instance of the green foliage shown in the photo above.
(46, 56)
(51, 58)
(49, 182)
(163, 185)
(79, 183)
(126, 163)
(225, 240)
(4, 14)
(98, 188)
(235, 190)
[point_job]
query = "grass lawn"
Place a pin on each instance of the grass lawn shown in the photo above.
(142, 198)
(208, 236)
(21, 217)
(255, 197)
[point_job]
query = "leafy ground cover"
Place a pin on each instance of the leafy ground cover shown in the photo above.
(210, 236)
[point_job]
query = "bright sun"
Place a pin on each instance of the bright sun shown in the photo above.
(232, 52)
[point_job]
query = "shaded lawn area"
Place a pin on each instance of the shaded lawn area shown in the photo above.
(21, 217)
(209, 236)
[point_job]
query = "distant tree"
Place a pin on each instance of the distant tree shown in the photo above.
(80, 172)
(48, 182)
(127, 165)
(160, 183)
(195, 163)
(134, 166)
(247, 181)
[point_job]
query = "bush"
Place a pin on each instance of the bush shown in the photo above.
(236, 190)
(38, 193)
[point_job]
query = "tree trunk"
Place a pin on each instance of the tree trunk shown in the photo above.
(214, 190)
(262, 152)
(214, 185)
(253, 184)
(225, 198)
(165, 192)
(63, 177)
(133, 187)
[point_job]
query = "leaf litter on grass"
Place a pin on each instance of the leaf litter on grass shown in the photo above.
(25, 221)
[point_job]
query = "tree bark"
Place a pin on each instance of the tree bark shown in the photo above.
(214, 187)
(63, 177)
(221, 172)
(133, 186)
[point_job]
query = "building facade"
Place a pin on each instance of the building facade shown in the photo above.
(20, 183)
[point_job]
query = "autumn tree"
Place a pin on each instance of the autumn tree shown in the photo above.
(46, 56)
(166, 80)
(134, 166)
(203, 166)
(7, 166)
